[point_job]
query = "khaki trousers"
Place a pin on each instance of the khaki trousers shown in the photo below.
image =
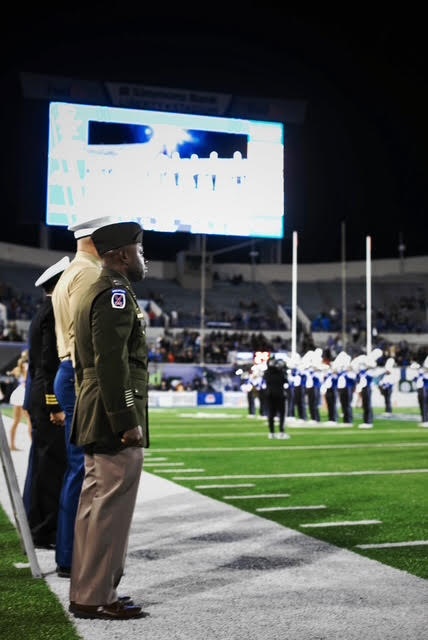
(103, 522)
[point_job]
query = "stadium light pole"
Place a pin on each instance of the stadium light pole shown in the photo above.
(202, 307)
(343, 256)
(294, 298)
(368, 296)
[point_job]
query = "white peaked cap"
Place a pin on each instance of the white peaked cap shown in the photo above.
(86, 227)
(53, 270)
(425, 363)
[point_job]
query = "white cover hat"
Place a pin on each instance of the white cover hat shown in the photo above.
(52, 271)
(87, 227)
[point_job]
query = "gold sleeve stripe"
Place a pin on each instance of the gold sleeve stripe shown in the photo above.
(129, 398)
(50, 399)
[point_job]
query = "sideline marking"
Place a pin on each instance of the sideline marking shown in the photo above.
(202, 414)
(345, 523)
(257, 495)
(182, 471)
(321, 474)
(387, 545)
(223, 486)
(291, 447)
(309, 506)
(154, 463)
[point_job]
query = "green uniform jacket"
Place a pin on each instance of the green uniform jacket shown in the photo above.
(111, 365)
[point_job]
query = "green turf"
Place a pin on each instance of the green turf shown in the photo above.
(357, 475)
(28, 608)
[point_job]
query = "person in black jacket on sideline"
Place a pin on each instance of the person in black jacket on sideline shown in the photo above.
(275, 384)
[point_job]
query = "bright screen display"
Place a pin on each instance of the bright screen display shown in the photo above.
(169, 171)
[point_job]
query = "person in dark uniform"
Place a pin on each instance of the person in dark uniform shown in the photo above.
(275, 383)
(110, 423)
(47, 459)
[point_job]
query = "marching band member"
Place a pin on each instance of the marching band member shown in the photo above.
(329, 391)
(346, 382)
(386, 385)
(364, 365)
(422, 391)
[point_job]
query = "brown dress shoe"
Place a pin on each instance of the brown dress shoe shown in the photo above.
(114, 611)
(121, 599)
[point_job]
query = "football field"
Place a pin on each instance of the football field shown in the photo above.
(364, 490)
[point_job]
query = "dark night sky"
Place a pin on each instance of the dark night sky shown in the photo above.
(360, 156)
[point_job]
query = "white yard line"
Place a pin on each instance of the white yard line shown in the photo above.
(224, 486)
(153, 463)
(298, 508)
(344, 523)
(388, 545)
(289, 447)
(182, 471)
(321, 474)
(254, 496)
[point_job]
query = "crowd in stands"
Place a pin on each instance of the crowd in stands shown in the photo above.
(221, 346)
(246, 327)
(185, 346)
(406, 315)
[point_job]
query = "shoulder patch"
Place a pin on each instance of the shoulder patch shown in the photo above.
(118, 298)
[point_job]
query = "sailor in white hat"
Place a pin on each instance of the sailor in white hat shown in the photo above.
(47, 458)
(51, 275)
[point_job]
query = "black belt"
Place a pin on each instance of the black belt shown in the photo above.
(90, 372)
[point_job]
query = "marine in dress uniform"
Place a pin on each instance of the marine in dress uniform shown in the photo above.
(47, 459)
(83, 270)
(110, 423)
